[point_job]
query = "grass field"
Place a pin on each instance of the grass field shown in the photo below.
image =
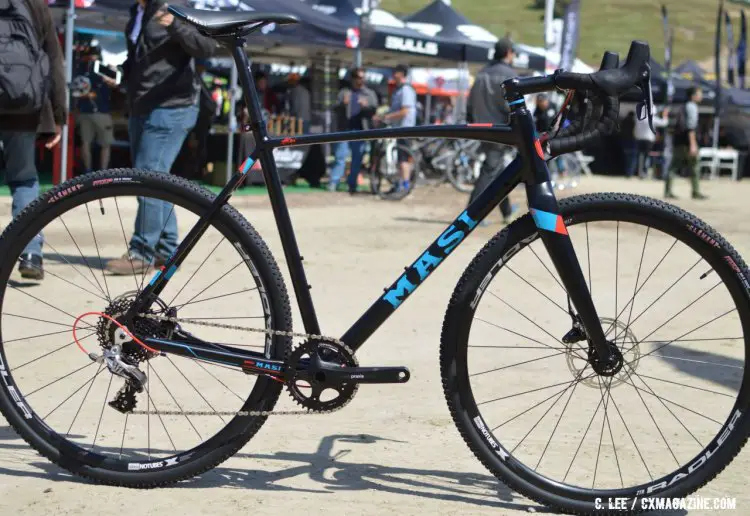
(605, 24)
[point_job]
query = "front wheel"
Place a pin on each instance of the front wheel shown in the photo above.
(672, 295)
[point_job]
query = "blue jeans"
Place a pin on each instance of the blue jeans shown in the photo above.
(18, 165)
(155, 141)
(341, 152)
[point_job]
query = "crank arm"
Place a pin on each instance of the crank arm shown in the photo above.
(337, 374)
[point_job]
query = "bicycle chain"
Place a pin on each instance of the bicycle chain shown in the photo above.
(245, 413)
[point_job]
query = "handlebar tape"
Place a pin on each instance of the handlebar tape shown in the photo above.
(605, 88)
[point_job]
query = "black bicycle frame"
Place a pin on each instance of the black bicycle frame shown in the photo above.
(529, 167)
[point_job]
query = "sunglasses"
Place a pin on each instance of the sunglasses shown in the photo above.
(358, 77)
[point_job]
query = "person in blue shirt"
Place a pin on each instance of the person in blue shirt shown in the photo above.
(95, 120)
(403, 113)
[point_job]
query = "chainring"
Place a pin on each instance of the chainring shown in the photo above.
(309, 393)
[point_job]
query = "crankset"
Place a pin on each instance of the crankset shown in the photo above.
(323, 376)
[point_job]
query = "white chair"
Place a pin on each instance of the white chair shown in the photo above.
(716, 160)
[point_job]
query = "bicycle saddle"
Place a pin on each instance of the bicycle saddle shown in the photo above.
(224, 23)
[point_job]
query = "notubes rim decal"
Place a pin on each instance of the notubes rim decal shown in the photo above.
(549, 221)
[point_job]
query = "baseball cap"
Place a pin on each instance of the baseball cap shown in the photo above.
(502, 47)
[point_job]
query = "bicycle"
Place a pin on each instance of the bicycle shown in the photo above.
(386, 180)
(456, 161)
(144, 339)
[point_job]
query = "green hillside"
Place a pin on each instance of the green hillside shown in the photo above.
(605, 24)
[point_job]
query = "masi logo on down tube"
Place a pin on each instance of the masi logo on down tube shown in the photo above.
(429, 261)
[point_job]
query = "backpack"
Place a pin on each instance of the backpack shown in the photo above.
(679, 126)
(24, 66)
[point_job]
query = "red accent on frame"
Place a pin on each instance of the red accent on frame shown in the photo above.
(560, 226)
(288, 141)
(538, 147)
(479, 125)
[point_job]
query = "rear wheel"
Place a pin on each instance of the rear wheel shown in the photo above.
(61, 402)
(671, 294)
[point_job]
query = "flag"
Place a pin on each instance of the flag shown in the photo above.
(549, 9)
(717, 69)
(742, 51)
(667, 52)
(717, 59)
(570, 31)
(730, 45)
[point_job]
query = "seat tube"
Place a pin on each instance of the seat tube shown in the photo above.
(276, 193)
(553, 233)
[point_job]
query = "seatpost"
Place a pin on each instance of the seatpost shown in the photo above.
(275, 191)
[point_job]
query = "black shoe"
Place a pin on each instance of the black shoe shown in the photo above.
(699, 197)
(30, 266)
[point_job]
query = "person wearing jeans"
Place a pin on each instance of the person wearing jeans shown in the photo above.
(18, 134)
(162, 94)
(155, 141)
(354, 109)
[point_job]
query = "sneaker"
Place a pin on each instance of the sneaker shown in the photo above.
(332, 187)
(128, 264)
(670, 195)
(699, 197)
(31, 267)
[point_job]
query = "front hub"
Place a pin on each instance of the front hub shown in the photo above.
(606, 368)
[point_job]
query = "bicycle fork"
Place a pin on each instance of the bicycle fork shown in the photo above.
(604, 356)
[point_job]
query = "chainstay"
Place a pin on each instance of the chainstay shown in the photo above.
(242, 413)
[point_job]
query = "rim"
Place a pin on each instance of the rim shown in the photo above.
(680, 401)
(68, 394)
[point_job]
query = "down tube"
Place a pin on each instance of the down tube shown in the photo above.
(429, 260)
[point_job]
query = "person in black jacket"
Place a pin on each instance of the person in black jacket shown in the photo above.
(162, 98)
(487, 105)
(18, 134)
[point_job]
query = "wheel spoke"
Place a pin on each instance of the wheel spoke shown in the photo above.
(96, 245)
(637, 278)
(196, 271)
(62, 221)
(531, 321)
(61, 378)
(522, 336)
(84, 384)
(216, 297)
(98, 287)
(545, 296)
(531, 248)
(127, 253)
(666, 407)
(177, 403)
(101, 414)
(212, 283)
(658, 428)
(557, 423)
(533, 390)
(158, 413)
(195, 388)
(82, 402)
(53, 351)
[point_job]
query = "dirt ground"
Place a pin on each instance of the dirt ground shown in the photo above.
(394, 449)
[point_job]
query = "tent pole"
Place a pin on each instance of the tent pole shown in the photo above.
(70, 16)
(232, 120)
